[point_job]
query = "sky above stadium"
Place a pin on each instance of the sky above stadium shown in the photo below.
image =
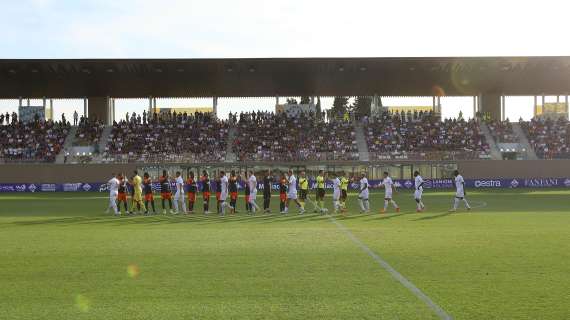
(292, 28)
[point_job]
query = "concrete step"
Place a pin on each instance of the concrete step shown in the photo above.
(363, 153)
(495, 152)
(230, 155)
(523, 140)
(66, 145)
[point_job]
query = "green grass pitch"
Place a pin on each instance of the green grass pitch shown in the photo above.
(61, 257)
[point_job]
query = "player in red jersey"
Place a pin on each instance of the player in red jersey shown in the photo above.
(147, 190)
(192, 189)
(206, 191)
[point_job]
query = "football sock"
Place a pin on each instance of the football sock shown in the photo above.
(361, 203)
(455, 203)
(367, 204)
(466, 204)
(394, 204)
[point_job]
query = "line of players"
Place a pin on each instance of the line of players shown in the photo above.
(226, 192)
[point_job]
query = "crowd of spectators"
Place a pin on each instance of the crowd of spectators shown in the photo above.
(35, 141)
(549, 138)
(422, 132)
(89, 132)
(198, 137)
(269, 136)
(502, 131)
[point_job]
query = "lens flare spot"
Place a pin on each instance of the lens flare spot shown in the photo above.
(133, 271)
(82, 303)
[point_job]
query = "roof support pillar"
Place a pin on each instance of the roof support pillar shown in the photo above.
(51, 109)
(85, 107)
(490, 104)
(20, 102)
(215, 106)
(503, 109)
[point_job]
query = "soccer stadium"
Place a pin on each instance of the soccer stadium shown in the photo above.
(366, 185)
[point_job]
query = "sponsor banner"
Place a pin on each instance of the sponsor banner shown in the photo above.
(374, 184)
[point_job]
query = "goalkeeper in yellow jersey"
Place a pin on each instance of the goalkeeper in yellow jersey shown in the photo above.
(343, 191)
(137, 196)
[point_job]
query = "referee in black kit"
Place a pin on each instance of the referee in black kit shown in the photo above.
(267, 184)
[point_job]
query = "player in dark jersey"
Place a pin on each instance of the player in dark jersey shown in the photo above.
(192, 189)
(122, 195)
(267, 184)
(283, 193)
(247, 193)
(233, 189)
(147, 191)
(165, 191)
(218, 193)
(206, 191)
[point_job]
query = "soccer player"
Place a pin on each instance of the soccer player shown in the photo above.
(122, 193)
(179, 195)
(165, 191)
(364, 195)
(459, 192)
(137, 192)
(292, 193)
(343, 191)
(336, 193)
(113, 193)
(206, 191)
(389, 186)
(192, 188)
(252, 192)
(247, 193)
(148, 196)
(320, 198)
(233, 188)
(283, 194)
(218, 192)
(267, 183)
(419, 185)
(303, 188)
(223, 189)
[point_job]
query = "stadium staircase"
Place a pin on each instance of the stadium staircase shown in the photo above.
(230, 155)
(66, 145)
(495, 152)
(104, 139)
(363, 153)
(523, 140)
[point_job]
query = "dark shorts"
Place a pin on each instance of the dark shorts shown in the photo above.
(321, 193)
(122, 196)
(343, 194)
(303, 194)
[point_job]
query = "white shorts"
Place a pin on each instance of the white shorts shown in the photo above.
(418, 194)
(460, 194)
(113, 196)
(252, 195)
(336, 195)
(388, 195)
(363, 195)
(292, 195)
(179, 196)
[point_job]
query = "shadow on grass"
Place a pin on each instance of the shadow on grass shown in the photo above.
(435, 216)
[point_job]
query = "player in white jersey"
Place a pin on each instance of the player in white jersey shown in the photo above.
(113, 185)
(336, 193)
(389, 187)
(179, 195)
(292, 192)
(364, 195)
(224, 193)
(252, 183)
(459, 192)
(419, 189)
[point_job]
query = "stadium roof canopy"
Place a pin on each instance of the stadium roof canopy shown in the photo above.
(135, 78)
